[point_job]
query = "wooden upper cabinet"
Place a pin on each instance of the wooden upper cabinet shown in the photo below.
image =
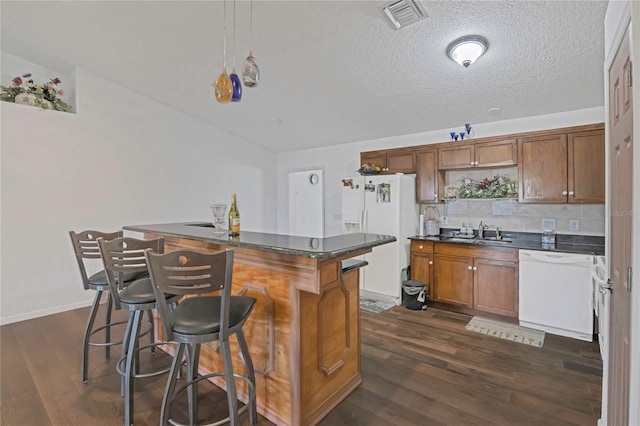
(429, 181)
(378, 158)
(392, 160)
(496, 154)
(401, 162)
(485, 154)
(562, 168)
(456, 157)
(586, 176)
(542, 169)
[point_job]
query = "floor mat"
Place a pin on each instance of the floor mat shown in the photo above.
(375, 306)
(507, 331)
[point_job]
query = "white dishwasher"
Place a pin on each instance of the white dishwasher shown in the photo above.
(556, 293)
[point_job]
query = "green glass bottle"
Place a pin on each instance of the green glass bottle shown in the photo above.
(234, 218)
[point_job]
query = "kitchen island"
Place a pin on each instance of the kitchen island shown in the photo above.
(303, 333)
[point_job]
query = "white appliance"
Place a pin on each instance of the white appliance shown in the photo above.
(382, 204)
(556, 293)
(601, 301)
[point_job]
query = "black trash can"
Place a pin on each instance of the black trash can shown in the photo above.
(414, 295)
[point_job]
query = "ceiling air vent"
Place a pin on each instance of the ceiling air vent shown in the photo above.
(404, 12)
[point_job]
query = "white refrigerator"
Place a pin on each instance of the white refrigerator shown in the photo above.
(382, 204)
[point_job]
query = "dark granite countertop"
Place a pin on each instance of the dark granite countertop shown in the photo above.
(317, 248)
(565, 243)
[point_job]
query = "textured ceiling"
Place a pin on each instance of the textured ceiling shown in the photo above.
(331, 71)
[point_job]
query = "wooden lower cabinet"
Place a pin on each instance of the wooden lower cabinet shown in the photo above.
(453, 280)
(495, 287)
(422, 264)
(478, 279)
(303, 333)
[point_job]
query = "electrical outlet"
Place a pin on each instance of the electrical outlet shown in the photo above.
(548, 224)
(574, 225)
(445, 220)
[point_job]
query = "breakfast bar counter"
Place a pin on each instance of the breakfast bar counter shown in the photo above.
(303, 334)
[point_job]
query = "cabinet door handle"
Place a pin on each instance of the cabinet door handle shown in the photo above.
(435, 196)
(571, 193)
(472, 163)
(564, 192)
(477, 163)
(420, 247)
(475, 268)
(431, 262)
(470, 268)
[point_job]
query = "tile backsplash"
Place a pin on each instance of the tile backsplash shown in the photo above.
(512, 216)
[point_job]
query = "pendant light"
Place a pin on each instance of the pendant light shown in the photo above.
(235, 80)
(224, 86)
(250, 70)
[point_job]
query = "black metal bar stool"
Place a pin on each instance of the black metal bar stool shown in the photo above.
(202, 319)
(85, 246)
(120, 256)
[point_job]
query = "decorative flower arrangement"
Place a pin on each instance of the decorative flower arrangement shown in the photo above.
(498, 186)
(23, 90)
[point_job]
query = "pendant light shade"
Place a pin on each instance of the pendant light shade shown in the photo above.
(466, 50)
(236, 95)
(250, 70)
(223, 88)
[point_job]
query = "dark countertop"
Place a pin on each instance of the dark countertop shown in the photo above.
(316, 248)
(565, 243)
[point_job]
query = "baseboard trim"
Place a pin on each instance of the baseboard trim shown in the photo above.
(44, 312)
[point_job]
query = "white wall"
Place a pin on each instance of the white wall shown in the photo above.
(619, 15)
(343, 160)
(123, 159)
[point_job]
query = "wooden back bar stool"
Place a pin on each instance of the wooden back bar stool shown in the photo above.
(201, 319)
(121, 256)
(85, 246)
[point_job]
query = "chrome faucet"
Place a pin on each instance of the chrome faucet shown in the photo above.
(498, 234)
(481, 229)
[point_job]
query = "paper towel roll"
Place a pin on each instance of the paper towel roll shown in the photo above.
(421, 226)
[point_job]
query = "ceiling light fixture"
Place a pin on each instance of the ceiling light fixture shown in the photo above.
(466, 50)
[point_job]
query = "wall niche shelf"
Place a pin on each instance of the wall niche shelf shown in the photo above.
(448, 200)
(32, 78)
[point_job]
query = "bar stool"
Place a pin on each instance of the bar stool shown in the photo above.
(121, 256)
(202, 319)
(85, 246)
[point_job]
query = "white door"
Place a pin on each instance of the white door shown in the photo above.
(306, 204)
(620, 128)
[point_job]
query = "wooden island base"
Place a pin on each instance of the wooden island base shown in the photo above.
(303, 333)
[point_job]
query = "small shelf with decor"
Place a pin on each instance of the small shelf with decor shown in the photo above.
(27, 83)
(498, 187)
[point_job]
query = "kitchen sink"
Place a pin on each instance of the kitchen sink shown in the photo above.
(494, 240)
(451, 238)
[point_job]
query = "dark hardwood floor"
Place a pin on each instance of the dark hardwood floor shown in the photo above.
(418, 368)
